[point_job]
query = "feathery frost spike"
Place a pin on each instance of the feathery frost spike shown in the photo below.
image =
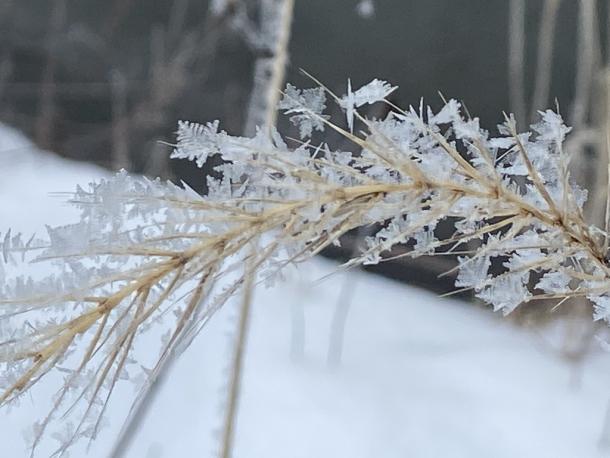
(151, 256)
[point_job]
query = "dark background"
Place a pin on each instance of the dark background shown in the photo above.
(89, 79)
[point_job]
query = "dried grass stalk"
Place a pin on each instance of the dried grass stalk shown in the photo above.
(146, 250)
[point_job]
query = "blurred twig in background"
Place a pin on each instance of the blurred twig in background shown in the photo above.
(516, 58)
(270, 65)
(120, 129)
(47, 103)
(586, 62)
(544, 58)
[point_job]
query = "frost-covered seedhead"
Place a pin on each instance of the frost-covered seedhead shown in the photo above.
(150, 256)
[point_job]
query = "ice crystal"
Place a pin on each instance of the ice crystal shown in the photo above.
(306, 107)
(375, 91)
(196, 142)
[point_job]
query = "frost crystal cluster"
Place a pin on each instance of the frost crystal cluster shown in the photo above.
(154, 255)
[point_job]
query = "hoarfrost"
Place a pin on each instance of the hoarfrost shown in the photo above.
(306, 107)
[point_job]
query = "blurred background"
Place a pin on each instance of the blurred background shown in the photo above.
(105, 82)
(73, 73)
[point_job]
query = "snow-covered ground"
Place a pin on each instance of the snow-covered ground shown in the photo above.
(420, 376)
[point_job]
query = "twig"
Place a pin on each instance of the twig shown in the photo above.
(120, 130)
(297, 337)
(337, 327)
(46, 109)
(237, 363)
(516, 57)
(605, 127)
(544, 61)
(344, 302)
(585, 61)
(270, 66)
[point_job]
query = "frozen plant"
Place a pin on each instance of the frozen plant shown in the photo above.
(150, 255)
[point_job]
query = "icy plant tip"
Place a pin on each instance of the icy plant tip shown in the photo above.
(155, 258)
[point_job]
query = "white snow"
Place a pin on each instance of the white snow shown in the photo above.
(420, 376)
